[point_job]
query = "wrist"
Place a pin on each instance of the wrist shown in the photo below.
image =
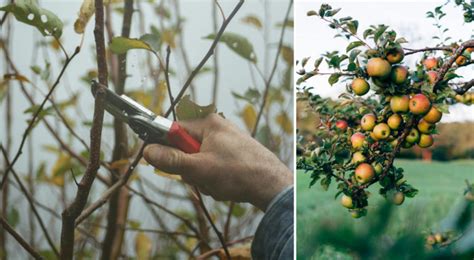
(271, 187)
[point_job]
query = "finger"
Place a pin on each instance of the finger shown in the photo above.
(168, 159)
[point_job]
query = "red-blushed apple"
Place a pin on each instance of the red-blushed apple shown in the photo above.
(398, 198)
(378, 168)
(346, 201)
(378, 67)
(358, 157)
(368, 121)
(413, 136)
(360, 86)
(419, 104)
(432, 75)
(433, 116)
(430, 63)
(425, 127)
(399, 74)
(357, 140)
(364, 173)
(395, 55)
(394, 121)
(425, 141)
(381, 131)
(399, 103)
(342, 125)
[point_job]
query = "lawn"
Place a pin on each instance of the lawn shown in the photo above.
(440, 186)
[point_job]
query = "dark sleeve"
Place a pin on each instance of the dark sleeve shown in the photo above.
(274, 236)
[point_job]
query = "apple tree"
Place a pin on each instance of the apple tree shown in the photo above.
(361, 135)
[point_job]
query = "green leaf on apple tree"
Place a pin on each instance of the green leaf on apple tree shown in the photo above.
(353, 45)
(28, 12)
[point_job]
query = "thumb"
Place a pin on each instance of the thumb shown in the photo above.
(168, 159)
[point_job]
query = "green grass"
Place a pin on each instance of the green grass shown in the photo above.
(440, 187)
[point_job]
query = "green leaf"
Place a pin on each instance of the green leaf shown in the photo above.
(27, 11)
(334, 78)
(317, 62)
(121, 45)
(187, 109)
(252, 95)
(13, 217)
(238, 44)
(353, 45)
(333, 12)
(382, 28)
(352, 26)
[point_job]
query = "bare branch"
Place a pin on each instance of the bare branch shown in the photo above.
(167, 77)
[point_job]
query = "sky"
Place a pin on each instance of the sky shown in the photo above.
(313, 37)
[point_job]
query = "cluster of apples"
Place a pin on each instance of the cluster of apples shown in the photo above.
(466, 98)
(436, 239)
(387, 127)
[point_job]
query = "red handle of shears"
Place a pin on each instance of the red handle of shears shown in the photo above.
(180, 139)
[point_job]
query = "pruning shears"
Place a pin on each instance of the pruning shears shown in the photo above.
(150, 128)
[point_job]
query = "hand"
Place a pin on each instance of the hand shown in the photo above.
(231, 165)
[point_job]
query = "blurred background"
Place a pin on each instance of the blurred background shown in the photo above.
(47, 168)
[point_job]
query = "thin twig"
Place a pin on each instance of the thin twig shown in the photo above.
(440, 48)
(167, 77)
(215, 82)
(20, 239)
(218, 233)
(275, 63)
(465, 87)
